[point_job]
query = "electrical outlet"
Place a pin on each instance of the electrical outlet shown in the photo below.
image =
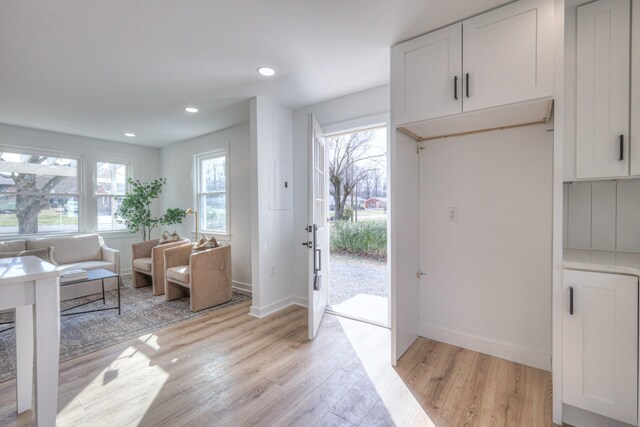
(452, 214)
(273, 271)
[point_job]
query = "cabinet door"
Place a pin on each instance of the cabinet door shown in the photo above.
(508, 54)
(600, 344)
(602, 107)
(426, 76)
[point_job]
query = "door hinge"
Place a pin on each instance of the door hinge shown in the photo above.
(308, 228)
(419, 274)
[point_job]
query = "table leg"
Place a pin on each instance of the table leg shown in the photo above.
(47, 328)
(118, 284)
(24, 357)
(103, 300)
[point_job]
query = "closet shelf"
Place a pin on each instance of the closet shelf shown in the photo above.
(526, 113)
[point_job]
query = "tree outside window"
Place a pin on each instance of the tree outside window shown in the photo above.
(38, 193)
(110, 187)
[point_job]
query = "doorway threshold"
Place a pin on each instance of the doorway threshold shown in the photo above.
(359, 319)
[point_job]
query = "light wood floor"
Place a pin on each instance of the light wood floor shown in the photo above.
(227, 368)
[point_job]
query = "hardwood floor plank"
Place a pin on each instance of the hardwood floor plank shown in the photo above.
(228, 368)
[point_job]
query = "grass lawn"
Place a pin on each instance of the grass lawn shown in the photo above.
(366, 214)
(45, 217)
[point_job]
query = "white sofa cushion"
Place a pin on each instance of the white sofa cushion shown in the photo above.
(13, 246)
(89, 265)
(70, 249)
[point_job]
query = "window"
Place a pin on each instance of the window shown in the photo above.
(110, 186)
(38, 193)
(211, 191)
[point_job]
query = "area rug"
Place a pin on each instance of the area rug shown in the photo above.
(142, 313)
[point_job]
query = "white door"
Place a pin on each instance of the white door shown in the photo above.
(318, 229)
(602, 125)
(428, 70)
(600, 344)
(508, 55)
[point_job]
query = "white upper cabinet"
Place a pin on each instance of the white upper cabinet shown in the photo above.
(428, 75)
(501, 57)
(602, 96)
(508, 55)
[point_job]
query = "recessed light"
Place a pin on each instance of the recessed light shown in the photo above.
(266, 71)
(191, 110)
(129, 134)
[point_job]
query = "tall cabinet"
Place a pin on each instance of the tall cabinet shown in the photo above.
(602, 106)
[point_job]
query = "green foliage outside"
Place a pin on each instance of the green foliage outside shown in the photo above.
(347, 213)
(135, 210)
(366, 238)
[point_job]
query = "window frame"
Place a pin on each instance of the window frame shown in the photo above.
(197, 160)
(80, 186)
(94, 195)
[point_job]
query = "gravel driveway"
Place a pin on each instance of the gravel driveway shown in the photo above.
(351, 276)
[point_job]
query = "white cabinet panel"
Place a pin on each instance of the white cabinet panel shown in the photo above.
(635, 91)
(602, 124)
(508, 54)
(628, 216)
(579, 215)
(600, 344)
(427, 73)
(603, 215)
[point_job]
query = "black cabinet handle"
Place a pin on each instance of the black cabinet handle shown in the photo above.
(467, 84)
(571, 300)
(621, 157)
(455, 88)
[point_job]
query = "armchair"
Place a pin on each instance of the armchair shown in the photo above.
(205, 275)
(148, 263)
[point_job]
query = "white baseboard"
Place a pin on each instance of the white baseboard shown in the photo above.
(503, 350)
(245, 287)
(581, 418)
(267, 310)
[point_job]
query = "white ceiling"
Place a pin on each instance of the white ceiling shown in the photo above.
(102, 68)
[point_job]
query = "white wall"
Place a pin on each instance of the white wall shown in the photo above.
(145, 165)
(178, 167)
(488, 275)
(354, 109)
(271, 229)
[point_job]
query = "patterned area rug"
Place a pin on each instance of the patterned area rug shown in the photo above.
(142, 313)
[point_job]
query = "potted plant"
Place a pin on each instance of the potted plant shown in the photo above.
(135, 209)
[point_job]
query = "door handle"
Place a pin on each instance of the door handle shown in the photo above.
(455, 88)
(621, 156)
(571, 300)
(319, 252)
(466, 86)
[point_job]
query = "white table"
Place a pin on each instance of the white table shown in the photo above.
(26, 282)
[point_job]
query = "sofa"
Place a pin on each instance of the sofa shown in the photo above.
(147, 259)
(86, 251)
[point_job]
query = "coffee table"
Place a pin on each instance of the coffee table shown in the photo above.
(98, 274)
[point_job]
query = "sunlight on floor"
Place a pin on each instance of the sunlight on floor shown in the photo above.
(401, 405)
(364, 306)
(106, 387)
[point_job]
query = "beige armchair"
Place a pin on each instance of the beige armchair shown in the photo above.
(148, 263)
(205, 275)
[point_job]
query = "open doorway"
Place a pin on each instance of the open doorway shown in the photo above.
(359, 284)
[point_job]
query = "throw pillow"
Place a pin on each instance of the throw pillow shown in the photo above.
(205, 243)
(45, 254)
(168, 238)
